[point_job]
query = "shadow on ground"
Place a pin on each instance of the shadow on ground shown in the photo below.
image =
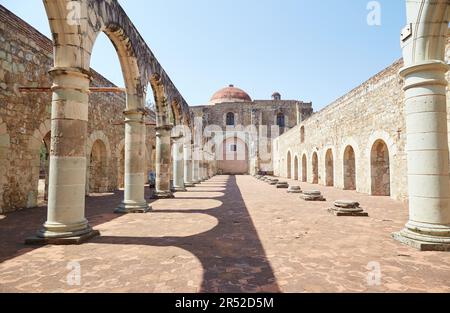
(231, 254)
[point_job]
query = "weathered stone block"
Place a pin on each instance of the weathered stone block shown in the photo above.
(294, 189)
(312, 195)
(347, 208)
(282, 185)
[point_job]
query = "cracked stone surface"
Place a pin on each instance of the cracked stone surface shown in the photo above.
(231, 234)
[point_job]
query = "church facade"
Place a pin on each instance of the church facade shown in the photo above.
(246, 128)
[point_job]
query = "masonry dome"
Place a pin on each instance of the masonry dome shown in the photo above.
(230, 94)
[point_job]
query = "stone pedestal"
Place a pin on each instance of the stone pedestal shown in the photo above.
(294, 189)
(313, 195)
(347, 208)
(282, 185)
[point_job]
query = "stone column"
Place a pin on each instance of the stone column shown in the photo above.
(428, 157)
(178, 166)
(187, 151)
(66, 222)
(196, 166)
(202, 166)
(134, 194)
(163, 161)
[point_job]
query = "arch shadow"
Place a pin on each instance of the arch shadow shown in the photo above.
(231, 254)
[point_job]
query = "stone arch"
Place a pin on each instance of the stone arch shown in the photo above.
(289, 165)
(74, 41)
(315, 167)
(296, 168)
(234, 162)
(161, 100)
(302, 134)
(98, 181)
(99, 157)
(5, 147)
(96, 17)
(304, 168)
(230, 119)
(380, 169)
(40, 138)
(392, 153)
(349, 162)
(281, 120)
(329, 168)
(429, 31)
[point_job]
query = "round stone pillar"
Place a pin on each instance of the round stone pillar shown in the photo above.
(178, 166)
(134, 194)
(202, 167)
(66, 222)
(187, 151)
(196, 166)
(163, 162)
(428, 157)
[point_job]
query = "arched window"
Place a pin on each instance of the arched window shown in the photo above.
(230, 119)
(280, 120)
(302, 134)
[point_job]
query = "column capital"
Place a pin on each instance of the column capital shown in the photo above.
(134, 116)
(70, 78)
(434, 74)
(56, 71)
(164, 127)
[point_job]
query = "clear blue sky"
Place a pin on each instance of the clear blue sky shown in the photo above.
(306, 49)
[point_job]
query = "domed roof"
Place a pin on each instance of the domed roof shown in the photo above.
(230, 94)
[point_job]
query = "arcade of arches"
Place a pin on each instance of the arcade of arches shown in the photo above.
(89, 155)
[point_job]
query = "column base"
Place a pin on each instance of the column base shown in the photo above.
(422, 242)
(163, 195)
(130, 208)
(40, 240)
(189, 185)
(180, 189)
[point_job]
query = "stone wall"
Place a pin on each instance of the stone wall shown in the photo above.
(258, 112)
(368, 120)
(371, 114)
(25, 58)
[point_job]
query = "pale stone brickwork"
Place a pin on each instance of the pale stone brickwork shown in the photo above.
(370, 114)
(257, 113)
(365, 118)
(25, 58)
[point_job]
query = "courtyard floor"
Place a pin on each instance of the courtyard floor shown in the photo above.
(231, 234)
